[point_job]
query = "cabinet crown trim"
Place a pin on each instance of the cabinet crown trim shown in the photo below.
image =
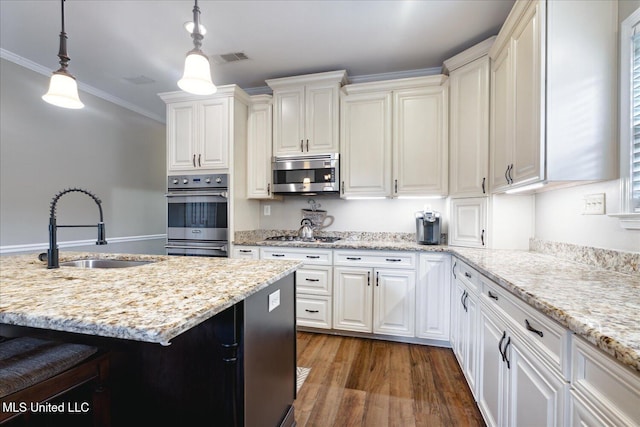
(469, 55)
(232, 90)
(398, 84)
(339, 76)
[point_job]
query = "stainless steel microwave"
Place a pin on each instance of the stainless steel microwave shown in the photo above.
(306, 174)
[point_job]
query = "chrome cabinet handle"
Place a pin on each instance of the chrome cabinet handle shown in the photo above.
(354, 258)
(278, 255)
(482, 237)
(311, 311)
(483, 190)
(313, 256)
(532, 329)
(199, 156)
(453, 270)
(311, 280)
(194, 160)
(493, 296)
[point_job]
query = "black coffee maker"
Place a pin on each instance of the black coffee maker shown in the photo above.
(428, 228)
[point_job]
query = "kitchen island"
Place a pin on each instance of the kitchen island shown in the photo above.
(191, 338)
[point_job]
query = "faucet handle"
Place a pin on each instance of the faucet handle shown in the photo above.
(101, 234)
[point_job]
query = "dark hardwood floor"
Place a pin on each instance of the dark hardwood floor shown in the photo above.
(363, 382)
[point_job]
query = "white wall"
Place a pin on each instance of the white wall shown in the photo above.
(559, 218)
(117, 154)
(384, 215)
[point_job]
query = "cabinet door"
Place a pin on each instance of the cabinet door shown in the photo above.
(353, 299)
(321, 118)
(469, 134)
(394, 302)
(527, 80)
(433, 293)
(459, 316)
(288, 121)
(181, 136)
(501, 120)
(214, 139)
(468, 222)
(536, 394)
(492, 383)
(420, 142)
(365, 144)
(471, 343)
(259, 151)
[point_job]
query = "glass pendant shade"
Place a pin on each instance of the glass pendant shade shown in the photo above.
(63, 91)
(197, 75)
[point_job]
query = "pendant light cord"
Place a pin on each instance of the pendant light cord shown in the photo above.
(196, 35)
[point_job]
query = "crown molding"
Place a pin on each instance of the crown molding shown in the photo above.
(466, 56)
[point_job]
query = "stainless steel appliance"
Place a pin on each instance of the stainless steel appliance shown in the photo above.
(306, 174)
(197, 215)
(428, 228)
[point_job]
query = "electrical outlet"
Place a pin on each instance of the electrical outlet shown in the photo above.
(274, 300)
(594, 204)
(266, 210)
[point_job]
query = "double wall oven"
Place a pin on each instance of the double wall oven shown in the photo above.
(197, 215)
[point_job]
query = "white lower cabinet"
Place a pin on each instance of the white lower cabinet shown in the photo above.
(464, 319)
(314, 283)
(433, 293)
(370, 296)
(248, 252)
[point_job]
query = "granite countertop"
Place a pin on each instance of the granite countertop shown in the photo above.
(600, 305)
(154, 302)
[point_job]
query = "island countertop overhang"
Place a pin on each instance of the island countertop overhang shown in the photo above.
(152, 303)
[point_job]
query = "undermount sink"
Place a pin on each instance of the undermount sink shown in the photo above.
(103, 263)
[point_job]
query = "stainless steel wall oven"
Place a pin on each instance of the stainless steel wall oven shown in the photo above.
(197, 215)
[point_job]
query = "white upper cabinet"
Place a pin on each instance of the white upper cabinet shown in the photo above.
(553, 94)
(259, 148)
(305, 113)
(393, 138)
(469, 121)
(200, 131)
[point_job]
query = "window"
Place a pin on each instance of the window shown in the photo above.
(630, 121)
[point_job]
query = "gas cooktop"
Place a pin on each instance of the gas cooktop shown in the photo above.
(323, 239)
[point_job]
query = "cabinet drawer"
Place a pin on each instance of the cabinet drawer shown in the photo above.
(541, 333)
(246, 252)
(315, 280)
(467, 275)
(375, 259)
(605, 383)
(314, 312)
(308, 256)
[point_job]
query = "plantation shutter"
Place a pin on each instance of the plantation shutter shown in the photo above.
(635, 111)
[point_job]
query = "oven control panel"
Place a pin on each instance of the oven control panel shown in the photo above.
(193, 182)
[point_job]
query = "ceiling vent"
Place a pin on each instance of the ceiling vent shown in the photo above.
(226, 58)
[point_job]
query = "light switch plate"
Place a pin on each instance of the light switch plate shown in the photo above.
(274, 300)
(594, 204)
(266, 210)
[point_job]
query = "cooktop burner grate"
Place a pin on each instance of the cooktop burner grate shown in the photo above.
(320, 239)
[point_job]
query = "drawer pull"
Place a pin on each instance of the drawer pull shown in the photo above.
(354, 258)
(278, 255)
(504, 335)
(453, 269)
(467, 274)
(245, 251)
(311, 280)
(506, 359)
(393, 259)
(530, 328)
(311, 311)
(493, 296)
(313, 256)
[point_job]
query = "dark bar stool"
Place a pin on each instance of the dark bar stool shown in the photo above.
(37, 370)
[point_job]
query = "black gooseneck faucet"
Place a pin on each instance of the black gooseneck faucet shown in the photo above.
(52, 254)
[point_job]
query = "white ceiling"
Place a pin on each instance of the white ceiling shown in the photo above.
(111, 41)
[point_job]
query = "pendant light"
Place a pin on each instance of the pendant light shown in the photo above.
(197, 70)
(63, 89)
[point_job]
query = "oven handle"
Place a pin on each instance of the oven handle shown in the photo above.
(224, 194)
(218, 248)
